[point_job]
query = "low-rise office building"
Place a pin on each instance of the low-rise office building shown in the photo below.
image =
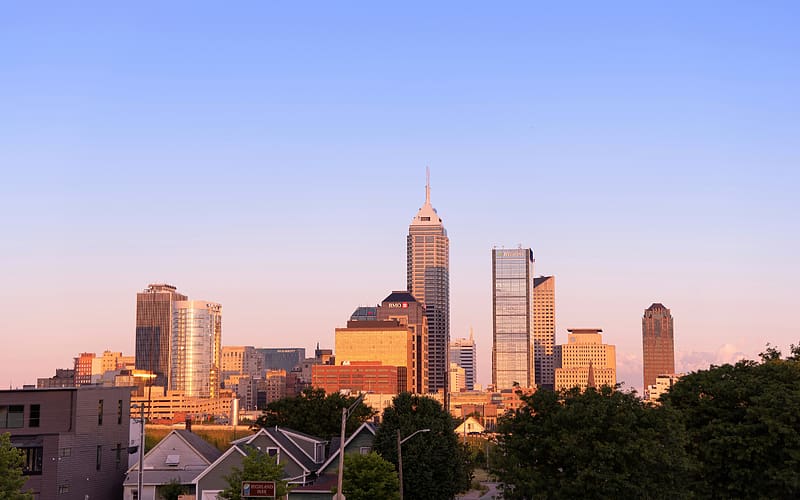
(75, 440)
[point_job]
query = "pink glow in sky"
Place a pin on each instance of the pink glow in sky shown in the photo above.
(271, 159)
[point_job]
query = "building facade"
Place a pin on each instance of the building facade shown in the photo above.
(403, 307)
(544, 330)
(582, 355)
(360, 376)
(154, 329)
(463, 353)
(512, 306)
(388, 342)
(196, 348)
(428, 276)
(282, 358)
(658, 343)
(74, 440)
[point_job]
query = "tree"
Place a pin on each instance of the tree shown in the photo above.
(434, 463)
(172, 490)
(601, 443)
(367, 477)
(256, 466)
(314, 413)
(743, 427)
(11, 463)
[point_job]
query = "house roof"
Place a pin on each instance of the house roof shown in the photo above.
(200, 445)
(366, 426)
(233, 449)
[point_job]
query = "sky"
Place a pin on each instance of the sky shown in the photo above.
(270, 156)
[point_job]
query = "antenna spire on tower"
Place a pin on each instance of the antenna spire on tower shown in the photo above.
(427, 185)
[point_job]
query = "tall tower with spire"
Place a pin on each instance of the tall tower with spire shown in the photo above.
(429, 282)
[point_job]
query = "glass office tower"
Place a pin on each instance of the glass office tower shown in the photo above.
(196, 348)
(154, 329)
(512, 305)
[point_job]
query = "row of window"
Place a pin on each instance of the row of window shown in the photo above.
(13, 416)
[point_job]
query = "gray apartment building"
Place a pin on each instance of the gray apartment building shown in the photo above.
(75, 440)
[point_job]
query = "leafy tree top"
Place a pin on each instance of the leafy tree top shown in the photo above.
(367, 477)
(11, 462)
(743, 424)
(435, 463)
(256, 466)
(599, 443)
(315, 413)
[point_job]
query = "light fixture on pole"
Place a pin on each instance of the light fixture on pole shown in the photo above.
(400, 454)
(345, 413)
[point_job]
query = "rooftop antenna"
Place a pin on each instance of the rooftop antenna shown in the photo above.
(427, 185)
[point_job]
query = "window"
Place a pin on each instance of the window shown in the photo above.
(119, 412)
(274, 452)
(33, 417)
(100, 412)
(32, 464)
(99, 457)
(63, 488)
(64, 452)
(118, 451)
(11, 417)
(365, 450)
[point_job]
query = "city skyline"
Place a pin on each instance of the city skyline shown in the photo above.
(647, 154)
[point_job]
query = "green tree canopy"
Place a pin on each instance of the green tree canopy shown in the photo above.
(435, 463)
(256, 466)
(11, 463)
(314, 413)
(367, 477)
(743, 424)
(594, 444)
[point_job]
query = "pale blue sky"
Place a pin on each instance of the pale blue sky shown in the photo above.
(270, 156)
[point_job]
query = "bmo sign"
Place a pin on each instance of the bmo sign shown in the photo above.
(258, 489)
(397, 305)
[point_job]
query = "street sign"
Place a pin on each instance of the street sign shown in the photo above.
(258, 489)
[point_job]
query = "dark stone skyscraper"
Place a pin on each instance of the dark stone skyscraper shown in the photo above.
(429, 282)
(658, 343)
(154, 308)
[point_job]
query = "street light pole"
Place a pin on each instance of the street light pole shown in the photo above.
(400, 455)
(345, 413)
(140, 479)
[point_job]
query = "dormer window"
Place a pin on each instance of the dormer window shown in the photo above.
(172, 460)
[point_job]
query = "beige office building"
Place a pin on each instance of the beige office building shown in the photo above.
(585, 352)
(544, 330)
(388, 341)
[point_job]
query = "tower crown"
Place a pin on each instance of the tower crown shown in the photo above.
(427, 215)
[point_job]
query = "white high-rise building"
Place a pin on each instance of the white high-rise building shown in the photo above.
(428, 256)
(196, 347)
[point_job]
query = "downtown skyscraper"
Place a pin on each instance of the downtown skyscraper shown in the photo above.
(196, 348)
(512, 309)
(544, 330)
(658, 343)
(154, 308)
(428, 274)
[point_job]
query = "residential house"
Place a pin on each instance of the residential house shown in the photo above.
(180, 456)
